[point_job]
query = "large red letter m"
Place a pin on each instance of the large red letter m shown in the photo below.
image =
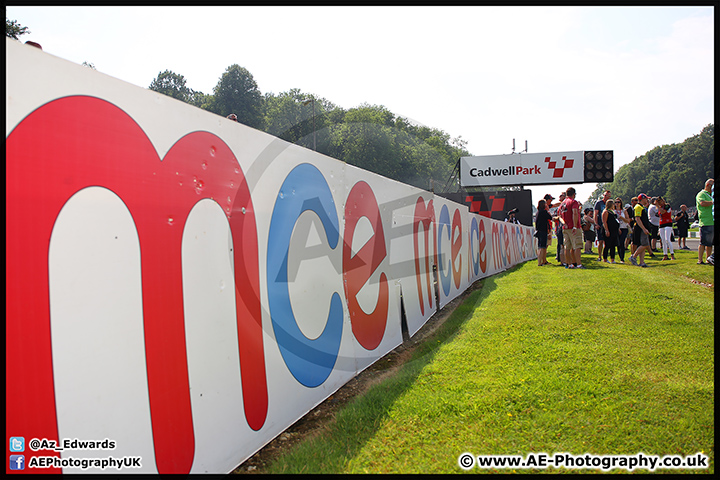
(425, 216)
(77, 142)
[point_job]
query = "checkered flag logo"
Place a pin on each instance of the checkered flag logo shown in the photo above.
(559, 171)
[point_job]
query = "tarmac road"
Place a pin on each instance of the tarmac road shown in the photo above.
(692, 243)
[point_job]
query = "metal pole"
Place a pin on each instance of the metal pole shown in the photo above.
(313, 115)
(314, 131)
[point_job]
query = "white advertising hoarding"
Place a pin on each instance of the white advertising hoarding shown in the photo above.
(182, 288)
(522, 169)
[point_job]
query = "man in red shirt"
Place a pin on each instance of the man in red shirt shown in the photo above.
(572, 231)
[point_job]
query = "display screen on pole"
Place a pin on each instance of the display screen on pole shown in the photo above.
(522, 169)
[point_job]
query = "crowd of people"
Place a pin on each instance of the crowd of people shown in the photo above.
(619, 229)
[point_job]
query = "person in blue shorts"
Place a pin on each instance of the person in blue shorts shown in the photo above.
(711, 258)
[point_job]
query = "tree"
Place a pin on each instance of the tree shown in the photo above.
(676, 172)
(598, 192)
(173, 85)
(200, 100)
(296, 117)
(14, 30)
(372, 138)
(237, 92)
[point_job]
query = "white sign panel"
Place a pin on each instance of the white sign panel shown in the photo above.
(522, 169)
(182, 288)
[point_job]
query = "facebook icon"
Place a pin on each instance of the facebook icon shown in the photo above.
(17, 462)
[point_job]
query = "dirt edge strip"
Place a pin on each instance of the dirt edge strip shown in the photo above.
(323, 415)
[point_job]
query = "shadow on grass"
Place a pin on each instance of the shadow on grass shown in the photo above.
(359, 421)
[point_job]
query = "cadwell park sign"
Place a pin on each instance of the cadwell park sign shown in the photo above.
(536, 168)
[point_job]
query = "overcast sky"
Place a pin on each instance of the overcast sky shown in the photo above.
(563, 78)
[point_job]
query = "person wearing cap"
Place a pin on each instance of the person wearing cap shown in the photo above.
(641, 233)
(232, 117)
(511, 217)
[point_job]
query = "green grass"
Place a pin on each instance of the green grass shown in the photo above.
(614, 359)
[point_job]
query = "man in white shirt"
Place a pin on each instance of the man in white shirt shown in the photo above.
(654, 218)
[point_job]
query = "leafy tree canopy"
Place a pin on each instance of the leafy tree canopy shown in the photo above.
(237, 92)
(173, 85)
(14, 30)
(372, 137)
(675, 172)
(368, 136)
(297, 117)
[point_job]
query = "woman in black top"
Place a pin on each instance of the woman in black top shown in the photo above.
(612, 227)
(630, 210)
(542, 221)
(683, 224)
